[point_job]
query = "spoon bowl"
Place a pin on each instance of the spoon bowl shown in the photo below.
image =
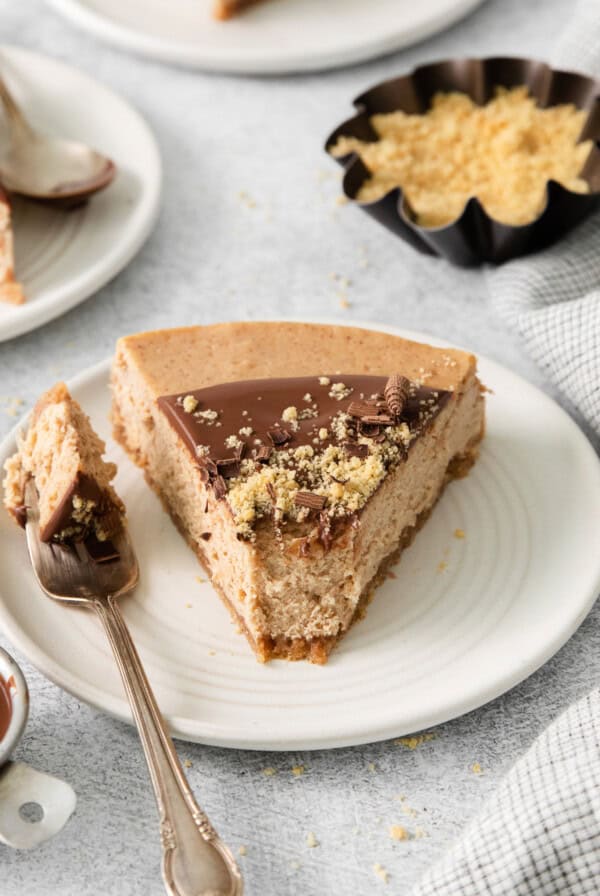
(49, 169)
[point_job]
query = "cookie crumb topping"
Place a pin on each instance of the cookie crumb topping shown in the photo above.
(309, 459)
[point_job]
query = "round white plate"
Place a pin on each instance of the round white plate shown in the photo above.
(63, 257)
(272, 38)
(461, 621)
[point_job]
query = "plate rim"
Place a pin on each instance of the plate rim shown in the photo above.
(236, 62)
(87, 283)
(214, 735)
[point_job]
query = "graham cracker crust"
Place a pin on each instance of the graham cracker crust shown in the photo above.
(314, 650)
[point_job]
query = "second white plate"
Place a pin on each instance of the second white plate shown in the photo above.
(461, 621)
(64, 257)
(271, 38)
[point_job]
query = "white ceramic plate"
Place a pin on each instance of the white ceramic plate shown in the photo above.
(272, 38)
(462, 621)
(63, 257)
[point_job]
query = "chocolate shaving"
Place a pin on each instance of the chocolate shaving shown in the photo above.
(369, 429)
(355, 450)
(207, 463)
(361, 409)
(206, 536)
(229, 467)
(20, 514)
(397, 390)
(101, 551)
(271, 492)
(240, 450)
(310, 500)
(219, 487)
(264, 453)
(279, 437)
(305, 547)
(377, 419)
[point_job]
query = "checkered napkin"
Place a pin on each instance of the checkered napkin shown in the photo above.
(539, 835)
(552, 299)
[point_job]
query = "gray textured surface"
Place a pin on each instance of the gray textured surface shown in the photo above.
(212, 258)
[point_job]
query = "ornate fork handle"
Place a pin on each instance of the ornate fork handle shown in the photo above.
(195, 861)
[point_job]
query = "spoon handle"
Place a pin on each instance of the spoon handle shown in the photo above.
(195, 861)
(12, 109)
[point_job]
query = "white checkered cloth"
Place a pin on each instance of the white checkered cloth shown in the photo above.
(552, 299)
(539, 835)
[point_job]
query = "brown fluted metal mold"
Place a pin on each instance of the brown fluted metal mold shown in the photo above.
(474, 237)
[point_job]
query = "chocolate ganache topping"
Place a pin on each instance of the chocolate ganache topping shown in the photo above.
(288, 448)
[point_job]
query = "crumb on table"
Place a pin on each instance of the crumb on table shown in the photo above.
(415, 740)
(381, 872)
(397, 832)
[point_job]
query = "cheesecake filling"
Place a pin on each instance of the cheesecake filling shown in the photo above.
(291, 449)
(295, 545)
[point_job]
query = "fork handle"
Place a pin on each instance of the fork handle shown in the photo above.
(195, 861)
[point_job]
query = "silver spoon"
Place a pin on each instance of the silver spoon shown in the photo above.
(195, 861)
(47, 168)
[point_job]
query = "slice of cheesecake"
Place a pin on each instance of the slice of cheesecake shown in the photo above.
(63, 455)
(297, 460)
(227, 9)
(10, 289)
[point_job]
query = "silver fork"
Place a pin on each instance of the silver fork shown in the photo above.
(195, 861)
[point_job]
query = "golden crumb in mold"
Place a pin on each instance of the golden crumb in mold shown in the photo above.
(311, 840)
(243, 850)
(269, 772)
(476, 768)
(459, 533)
(504, 152)
(298, 771)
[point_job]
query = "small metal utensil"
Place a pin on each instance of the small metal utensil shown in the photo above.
(195, 861)
(47, 168)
